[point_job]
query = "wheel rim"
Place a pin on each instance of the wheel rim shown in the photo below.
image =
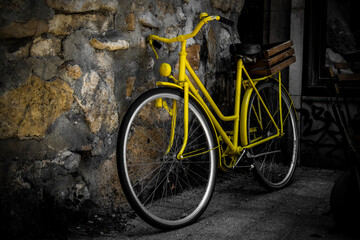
(168, 191)
(276, 168)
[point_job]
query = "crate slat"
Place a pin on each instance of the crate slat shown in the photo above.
(276, 48)
(275, 68)
(273, 60)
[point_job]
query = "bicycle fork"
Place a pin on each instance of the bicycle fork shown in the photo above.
(173, 112)
(186, 120)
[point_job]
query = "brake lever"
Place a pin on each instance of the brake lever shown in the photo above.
(152, 47)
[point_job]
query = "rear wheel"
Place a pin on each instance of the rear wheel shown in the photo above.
(275, 160)
(164, 191)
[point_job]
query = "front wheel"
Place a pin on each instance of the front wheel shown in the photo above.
(166, 192)
(275, 160)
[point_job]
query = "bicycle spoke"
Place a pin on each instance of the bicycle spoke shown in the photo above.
(140, 180)
(166, 189)
(274, 170)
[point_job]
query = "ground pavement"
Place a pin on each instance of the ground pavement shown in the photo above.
(242, 209)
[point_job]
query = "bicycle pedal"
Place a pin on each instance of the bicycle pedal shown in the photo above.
(245, 164)
(243, 168)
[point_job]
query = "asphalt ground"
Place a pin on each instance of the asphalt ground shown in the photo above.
(243, 209)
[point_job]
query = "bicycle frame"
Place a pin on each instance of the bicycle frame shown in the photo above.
(167, 154)
(240, 112)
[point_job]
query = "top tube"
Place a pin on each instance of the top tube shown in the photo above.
(181, 38)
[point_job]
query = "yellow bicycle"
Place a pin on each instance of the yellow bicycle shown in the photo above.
(170, 143)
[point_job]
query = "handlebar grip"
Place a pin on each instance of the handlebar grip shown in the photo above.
(226, 21)
(157, 44)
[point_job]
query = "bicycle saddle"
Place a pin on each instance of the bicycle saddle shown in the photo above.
(245, 49)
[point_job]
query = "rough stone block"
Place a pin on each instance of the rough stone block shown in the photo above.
(149, 20)
(212, 47)
(109, 45)
(76, 49)
(74, 71)
(45, 47)
(150, 64)
(71, 161)
(27, 112)
(180, 14)
(165, 7)
(77, 6)
(171, 33)
(65, 24)
(94, 91)
(30, 28)
(193, 56)
(224, 42)
(130, 81)
(141, 42)
(98, 103)
(45, 67)
(130, 22)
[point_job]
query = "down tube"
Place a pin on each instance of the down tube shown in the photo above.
(218, 127)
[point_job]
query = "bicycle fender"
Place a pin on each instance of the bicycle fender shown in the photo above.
(243, 116)
(244, 112)
(173, 85)
(168, 84)
(288, 94)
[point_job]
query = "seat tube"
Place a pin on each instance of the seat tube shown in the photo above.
(280, 106)
(239, 67)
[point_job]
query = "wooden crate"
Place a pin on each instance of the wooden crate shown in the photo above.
(274, 58)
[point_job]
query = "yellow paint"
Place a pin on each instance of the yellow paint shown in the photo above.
(165, 70)
(241, 104)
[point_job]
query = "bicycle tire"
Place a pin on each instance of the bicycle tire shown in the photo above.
(274, 170)
(165, 192)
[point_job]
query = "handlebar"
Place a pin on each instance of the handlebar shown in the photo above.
(205, 18)
(226, 21)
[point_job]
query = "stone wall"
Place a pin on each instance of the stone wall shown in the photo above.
(69, 70)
